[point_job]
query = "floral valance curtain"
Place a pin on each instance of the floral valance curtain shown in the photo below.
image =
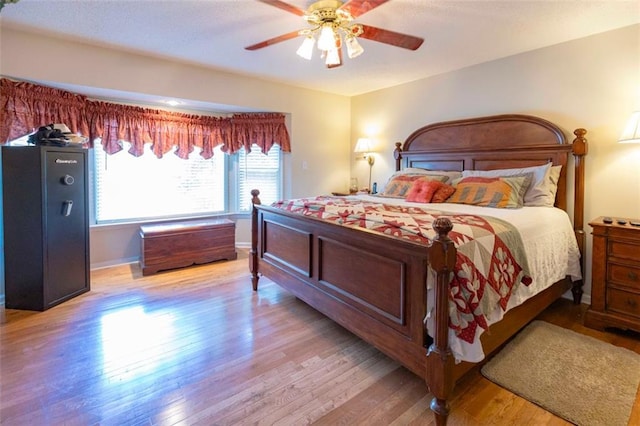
(243, 130)
(165, 131)
(26, 106)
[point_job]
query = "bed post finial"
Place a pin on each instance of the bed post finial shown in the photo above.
(580, 149)
(442, 259)
(253, 253)
(254, 197)
(397, 154)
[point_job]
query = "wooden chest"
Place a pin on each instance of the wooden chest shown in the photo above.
(184, 243)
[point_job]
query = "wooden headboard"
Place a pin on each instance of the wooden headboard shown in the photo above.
(500, 142)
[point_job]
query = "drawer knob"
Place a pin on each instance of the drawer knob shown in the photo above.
(632, 303)
(632, 276)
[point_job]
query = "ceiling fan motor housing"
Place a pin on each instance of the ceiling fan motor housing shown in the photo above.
(326, 11)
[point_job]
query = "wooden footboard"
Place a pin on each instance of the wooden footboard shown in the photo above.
(372, 285)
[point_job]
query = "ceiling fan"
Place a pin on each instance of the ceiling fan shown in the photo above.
(332, 21)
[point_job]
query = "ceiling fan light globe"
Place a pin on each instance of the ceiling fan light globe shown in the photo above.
(326, 41)
(354, 49)
(306, 48)
(333, 57)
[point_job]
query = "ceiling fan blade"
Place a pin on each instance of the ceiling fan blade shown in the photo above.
(284, 6)
(359, 7)
(274, 40)
(391, 37)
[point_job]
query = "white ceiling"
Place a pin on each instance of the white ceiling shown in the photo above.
(213, 33)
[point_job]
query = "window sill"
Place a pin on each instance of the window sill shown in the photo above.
(128, 224)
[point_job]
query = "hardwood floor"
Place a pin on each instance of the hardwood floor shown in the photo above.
(197, 346)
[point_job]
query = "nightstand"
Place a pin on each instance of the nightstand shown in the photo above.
(615, 276)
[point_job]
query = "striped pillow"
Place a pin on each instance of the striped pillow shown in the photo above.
(501, 192)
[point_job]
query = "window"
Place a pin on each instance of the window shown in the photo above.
(258, 171)
(129, 188)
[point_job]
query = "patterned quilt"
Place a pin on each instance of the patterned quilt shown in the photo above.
(490, 263)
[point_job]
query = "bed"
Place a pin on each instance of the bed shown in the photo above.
(396, 293)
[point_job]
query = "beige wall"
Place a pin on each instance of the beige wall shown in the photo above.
(319, 123)
(592, 83)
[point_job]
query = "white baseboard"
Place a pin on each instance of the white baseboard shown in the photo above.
(126, 261)
(116, 262)
(586, 298)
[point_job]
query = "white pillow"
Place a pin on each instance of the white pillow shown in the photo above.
(541, 192)
(450, 175)
(554, 177)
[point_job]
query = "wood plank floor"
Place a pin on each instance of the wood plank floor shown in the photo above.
(197, 346)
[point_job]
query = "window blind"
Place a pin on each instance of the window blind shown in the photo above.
(259, 171)
(133, 188)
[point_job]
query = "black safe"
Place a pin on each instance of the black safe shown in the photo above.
(46, 225)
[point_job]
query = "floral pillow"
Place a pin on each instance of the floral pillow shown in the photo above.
(422, 190)
(443, 193)
(429, 191)
(399, 185)
(500, 192)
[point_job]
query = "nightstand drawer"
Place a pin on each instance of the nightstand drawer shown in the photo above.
(623, 274)
(624, 250)
(623, 302)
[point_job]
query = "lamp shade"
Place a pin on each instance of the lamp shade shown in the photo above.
(363, 145)
(631, 133)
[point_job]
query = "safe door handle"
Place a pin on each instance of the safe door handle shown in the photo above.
(66, 207)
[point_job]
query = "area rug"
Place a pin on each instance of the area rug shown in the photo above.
(581, 379)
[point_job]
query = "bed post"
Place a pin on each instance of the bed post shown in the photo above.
(253, 253)
(397, 154)
(580, 149)
(440, 361)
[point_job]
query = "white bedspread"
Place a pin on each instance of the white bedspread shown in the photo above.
(550, 245)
